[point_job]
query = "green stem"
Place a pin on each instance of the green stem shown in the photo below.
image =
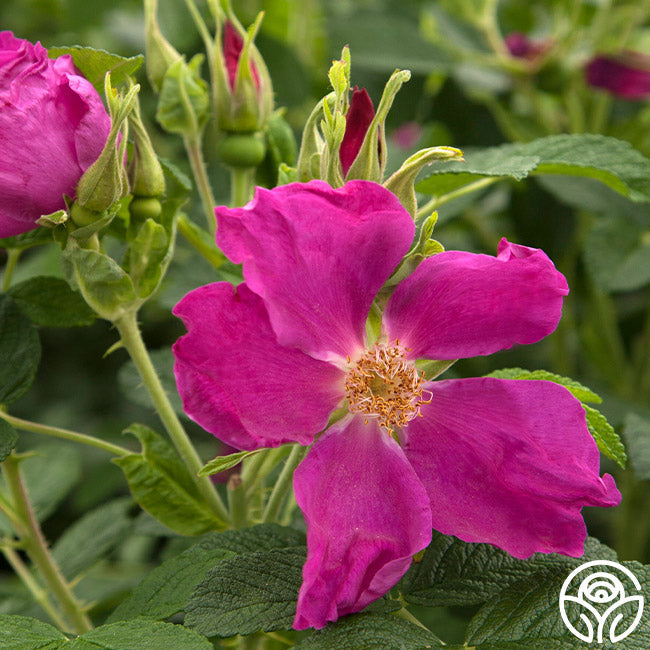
(38, 593)
(192, 233)
(600, 110)
(237, 502)
(38, 551)
(35, 427)
(437, 201)
(12, 259)
(131, 337)
(200, 173)
(283, 484)
(241, 185)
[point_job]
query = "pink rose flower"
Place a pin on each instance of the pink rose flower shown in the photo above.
(506, 462)
(53, 126)
(626, 75)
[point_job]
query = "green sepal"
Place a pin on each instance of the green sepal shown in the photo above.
(311, 146)
(163, 486)
(287, 174)
(53, 219)
(27, 240)
(371, 159)
(608, 441)
(402, 182)
(184, 103)
(222, 463)
(104, 183)
(104, 284)
(281, 149)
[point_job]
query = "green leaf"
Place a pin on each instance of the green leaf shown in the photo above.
(20, 351)
(184, 103)
(167, 589)
(94, 64)
(612, 162)
(50, 302)
(221, 463)
(608, 441)
(248, 593)
(35, 237)
(103, 283)
(8, 439)
(92, 536)
(637, 437)
(370, 632)
(141, 634)
(579, 391)
(162, 485)
(131, 385)
(452, 572)
(526, 615)
(24, 633)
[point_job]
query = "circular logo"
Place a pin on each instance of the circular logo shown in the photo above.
(595, 602)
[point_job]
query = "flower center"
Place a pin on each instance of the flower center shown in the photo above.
(384, 385)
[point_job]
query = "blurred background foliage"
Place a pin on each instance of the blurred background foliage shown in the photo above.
(467, 90)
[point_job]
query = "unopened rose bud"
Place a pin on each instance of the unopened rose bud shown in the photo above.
(159, 52)
(358, 119)
(243, 92)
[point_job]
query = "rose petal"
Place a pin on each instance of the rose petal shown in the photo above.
(317, 256)
(457, 305)
(367, 514)
(508, 462)
(238, 383)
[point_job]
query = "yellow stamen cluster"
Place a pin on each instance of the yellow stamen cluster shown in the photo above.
(384, 385)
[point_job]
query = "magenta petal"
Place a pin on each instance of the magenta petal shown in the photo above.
(317, 256)
(367, 514)
(457, 305)
(238, 383)
(508, 462)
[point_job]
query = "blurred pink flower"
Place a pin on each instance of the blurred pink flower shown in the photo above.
(626, 75)
(506, 462)
(53, 126)
(522, 47)
(407, 135)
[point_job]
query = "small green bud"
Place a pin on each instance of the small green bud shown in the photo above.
(159, 52)
(105, 182)
(145, 173)
(242, 149)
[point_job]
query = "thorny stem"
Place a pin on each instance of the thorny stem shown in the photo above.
(38, 593)
(199, 171)
(129, 331)
(241, 185)
(36, 548)
(283, 484)
(12, 259)
(35, 427)
(437, 201)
